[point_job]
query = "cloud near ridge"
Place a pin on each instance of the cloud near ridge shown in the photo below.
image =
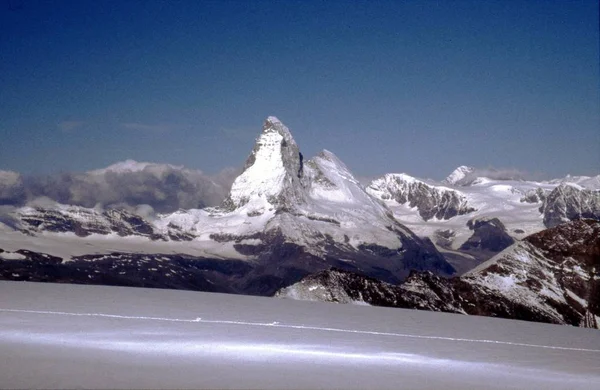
(495, 174)
(162, 188)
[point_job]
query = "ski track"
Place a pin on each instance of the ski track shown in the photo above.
(290, 326)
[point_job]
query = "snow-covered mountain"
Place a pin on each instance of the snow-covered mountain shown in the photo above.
(570, 201)
(284, 216)
(459, 175)
(447, 212)
(430, 201)
(552, 276)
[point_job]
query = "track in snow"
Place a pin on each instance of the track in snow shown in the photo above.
(290, 326)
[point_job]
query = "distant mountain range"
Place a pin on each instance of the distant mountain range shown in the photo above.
(283, 219)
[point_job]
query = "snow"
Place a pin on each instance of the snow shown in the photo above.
(490, 198)
(577, 298)
(459, 174)
(266, 176)
(589, 182)
(68, 245)
(71, 336)
(12, 256)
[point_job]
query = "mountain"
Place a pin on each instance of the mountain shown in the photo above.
(431, 201)
(551, 276)
(570, 201)
(459, 175)
(283, 218)
(448, 212)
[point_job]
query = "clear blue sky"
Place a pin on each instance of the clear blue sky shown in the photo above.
(389, 86)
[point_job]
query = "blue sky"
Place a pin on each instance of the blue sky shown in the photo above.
(389, 86)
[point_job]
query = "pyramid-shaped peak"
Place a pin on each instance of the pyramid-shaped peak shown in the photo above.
(273, 124)
(272, 171)
(273, 121)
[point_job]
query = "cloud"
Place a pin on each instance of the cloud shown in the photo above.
(156, 128)
(495, 174)
(146, 189)
(11, 188)
(67, 126)
(7, 217)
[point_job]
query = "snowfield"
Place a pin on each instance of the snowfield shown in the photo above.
(73, 336)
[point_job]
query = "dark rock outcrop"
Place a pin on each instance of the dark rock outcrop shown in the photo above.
(552, 276)
(489, 234)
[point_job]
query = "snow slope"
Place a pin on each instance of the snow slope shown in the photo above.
(69, 336)
(502, 199)
(285, 216)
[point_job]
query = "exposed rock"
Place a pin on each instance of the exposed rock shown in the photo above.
(552, 276)
(284, 216)
(488, 234)
(568, 202)
(431, 201)
(458, 176)
(534, 196)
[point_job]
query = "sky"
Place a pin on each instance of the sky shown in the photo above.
(388, 86)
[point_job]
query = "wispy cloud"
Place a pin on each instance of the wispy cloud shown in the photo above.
(155, 128)
(67, 126)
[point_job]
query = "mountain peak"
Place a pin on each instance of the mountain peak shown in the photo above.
(273, 125)
(272, 121)
(272, 171)
(459, 174)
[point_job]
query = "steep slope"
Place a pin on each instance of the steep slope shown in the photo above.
(459, 175)
(524, 207)
(284, 216)
(551, 276)
(489, 235)
(295, 217)
(445, 213)
(431, 201)
(568, 202)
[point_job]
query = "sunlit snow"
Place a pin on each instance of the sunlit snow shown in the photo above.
(68, 336)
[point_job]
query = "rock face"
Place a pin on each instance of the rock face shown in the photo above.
(272, 172)
(284, 216)
(534, 196)
(489, 234)
(339, 286)
(568, 202)
(551, 276)
(431, 201)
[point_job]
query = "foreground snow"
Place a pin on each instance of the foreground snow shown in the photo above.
(67, 336)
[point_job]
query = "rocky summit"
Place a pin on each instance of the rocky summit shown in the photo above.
(284, 218)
